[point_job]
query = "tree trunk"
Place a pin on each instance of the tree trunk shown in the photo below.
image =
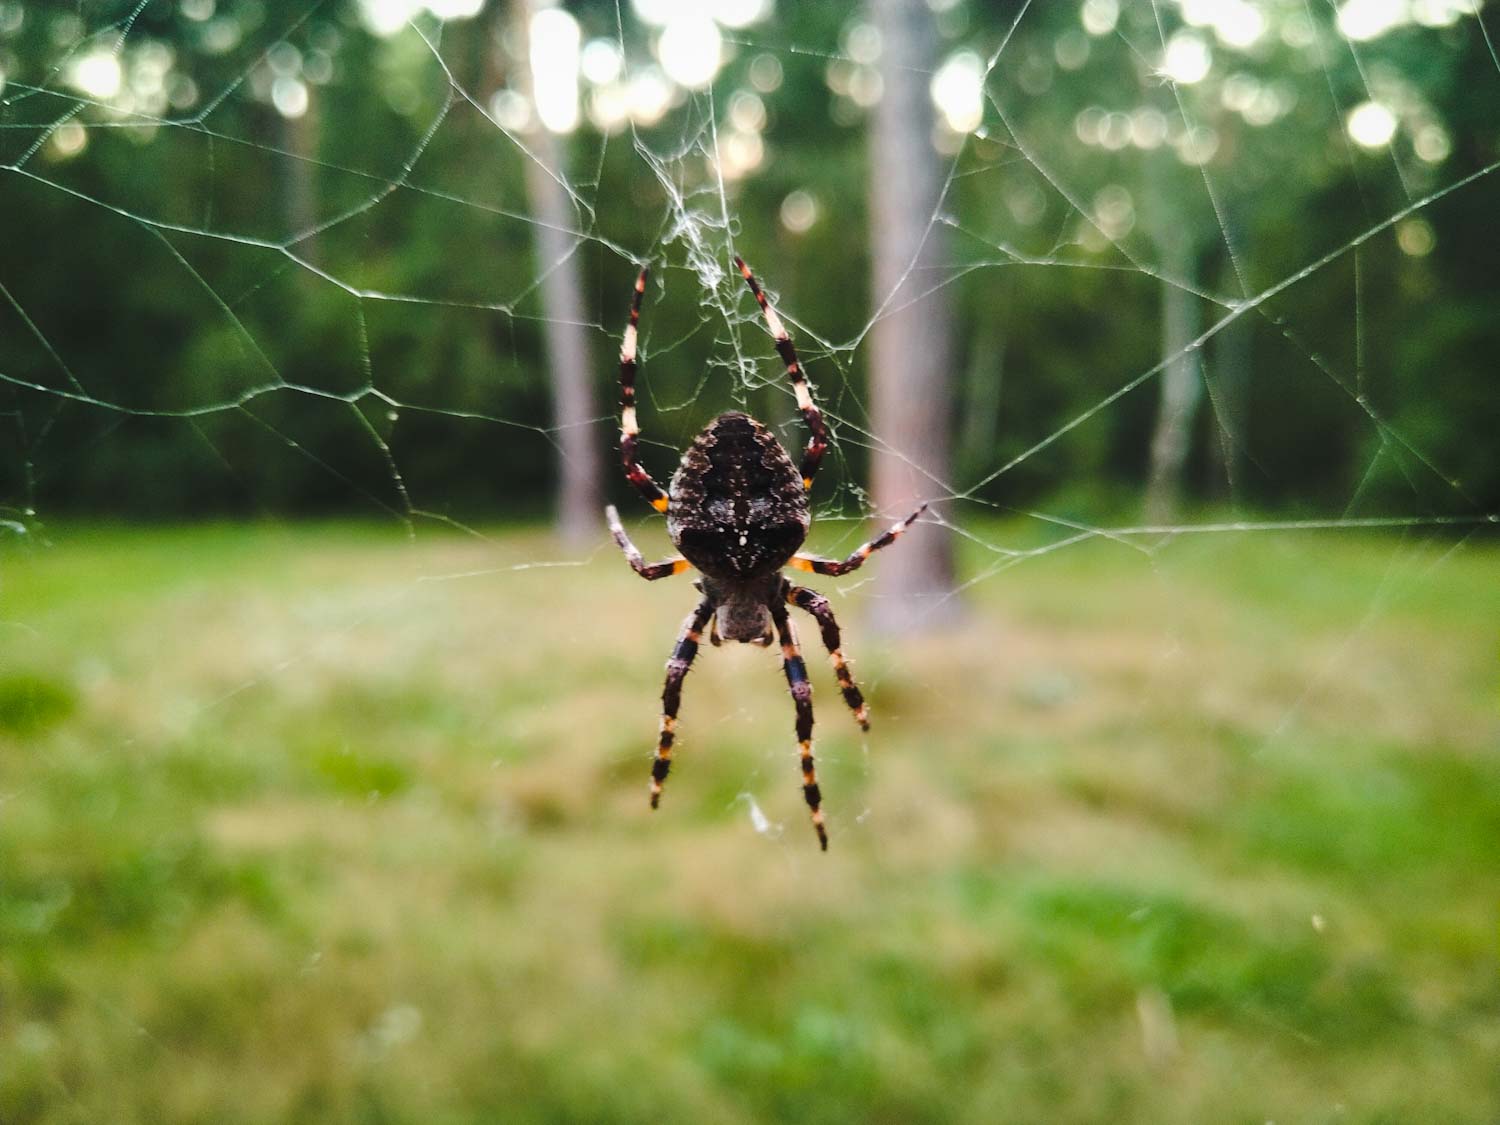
(299, 187)
(1228, 386)
(909, 346)
(1181, 383)
(579, 495)
(984, 376)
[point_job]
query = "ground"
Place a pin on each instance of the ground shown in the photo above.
(319, 823)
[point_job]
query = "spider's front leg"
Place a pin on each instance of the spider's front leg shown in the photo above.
(649, 571)
(817, 443)
(817, 605)
(835, 567)
(801, 689)
(671, 692)
(630, 428)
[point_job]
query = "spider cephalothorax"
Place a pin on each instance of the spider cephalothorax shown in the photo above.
(737, 510)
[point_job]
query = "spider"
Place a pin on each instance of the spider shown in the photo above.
(737, 511)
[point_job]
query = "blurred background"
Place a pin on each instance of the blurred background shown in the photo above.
(327, 706)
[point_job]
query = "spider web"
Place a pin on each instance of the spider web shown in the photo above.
(698, 314)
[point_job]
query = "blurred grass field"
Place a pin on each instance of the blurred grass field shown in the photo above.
(314, 823)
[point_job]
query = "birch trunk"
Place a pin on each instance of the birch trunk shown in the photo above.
(570, 367)
(1181, 384)
(910, 388)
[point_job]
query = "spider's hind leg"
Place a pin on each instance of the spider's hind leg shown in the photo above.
(817, 605)
(801, 689)
(671, 692)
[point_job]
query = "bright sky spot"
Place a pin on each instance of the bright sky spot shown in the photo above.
(555, 42)
(689, 49)
(1362, 20)
(386, 17)
(1442, 13)
(1432, 144)
(455, 9)
(650, 95)
(1115, 131)
(1148, 128)
(747, 113)
(1415, 237)
(658, 12)
(1199, 13)
(765, 73)
(799, 211)
(601, 61)
(958, 91)
(97, 74)
(511, 110)
(1114, 211)
(1239, 90)
(1371, 125)
(1198, 145)
(1088, 123)
(1100, 16)
(865, 86)
(1239, 24)
(1071, 49)
(739, 13)
(289, 96)
(1188, 58)
(69, 139)
(740, 153)
(609, 108)
(862, 43)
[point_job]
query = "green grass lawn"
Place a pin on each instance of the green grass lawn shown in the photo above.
(316, 823)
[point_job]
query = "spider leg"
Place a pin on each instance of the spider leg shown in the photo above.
(818, 443)
(671, 692)
(629, 428)
(817, 605)
(819, 565)
(801, 689)
(649, 571)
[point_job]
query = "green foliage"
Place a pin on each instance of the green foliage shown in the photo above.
(268, 371)
(30, 704)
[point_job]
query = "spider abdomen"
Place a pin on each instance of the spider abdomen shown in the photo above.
(738, 507)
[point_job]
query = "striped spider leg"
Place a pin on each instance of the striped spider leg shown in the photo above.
(671, 693)
(816, 604)
(629, 428)
(817, 564)
(817, 444)
(682, 654)
(801, 689)
(649, 571)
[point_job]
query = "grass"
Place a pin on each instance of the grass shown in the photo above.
(319, 824)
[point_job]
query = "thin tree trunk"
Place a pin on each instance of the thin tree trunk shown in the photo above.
(299, 136)
(1229, 389)
(579, 495)
(909, 344)
(983, 380)
(1181, 383)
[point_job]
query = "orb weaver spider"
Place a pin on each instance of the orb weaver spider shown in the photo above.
(737, 511)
